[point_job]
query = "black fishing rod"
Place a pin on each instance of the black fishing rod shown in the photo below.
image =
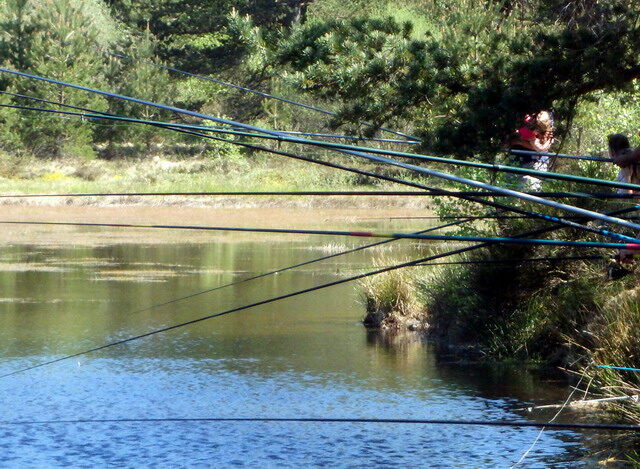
(232, 194)
(513, 151)
(473, 217)
(290, 267)
(356, 234)
(259, 93)
(488, 423)
(295, 293)
(54, 103)
(457, 194)
(517, 261)
(352, 151)
(309, 134)
(354, 193)
(442, 191)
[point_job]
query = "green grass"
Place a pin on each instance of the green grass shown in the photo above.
(165, 173)
(390, 299)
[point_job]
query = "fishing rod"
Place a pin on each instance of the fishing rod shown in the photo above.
(239, 194)
(516, 152)
(418, 169)
(458, 194)
(259, 93)
(55, 103)
(349, 149)
(296, 293)
(623, 368)
(350, 137)
(357, 234)
(354, 193)
(512, 261)
(356, 150)
(473, 217)
(490, 423)
(311, 134)
(485, 202)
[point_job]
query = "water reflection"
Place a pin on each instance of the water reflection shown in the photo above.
(304, 356)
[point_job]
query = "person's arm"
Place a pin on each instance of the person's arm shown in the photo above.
(626, 157)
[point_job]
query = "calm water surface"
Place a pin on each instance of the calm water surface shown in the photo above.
(302, 357)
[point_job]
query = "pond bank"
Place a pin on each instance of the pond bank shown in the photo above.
(196, 174)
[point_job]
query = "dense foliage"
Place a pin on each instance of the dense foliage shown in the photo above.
(472, 69)
(456, 72)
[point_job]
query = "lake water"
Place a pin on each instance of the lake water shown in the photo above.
(67, 289)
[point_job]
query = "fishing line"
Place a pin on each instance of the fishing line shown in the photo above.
(284, 269)
(357, 234)
(509, 261)
(551, 422)
(349, 149)
(557, 155)
(444, 192)
(335, 146)
(293, 294)
(264, 95)
(491, 423)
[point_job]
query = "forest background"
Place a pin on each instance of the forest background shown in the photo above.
(458, 74)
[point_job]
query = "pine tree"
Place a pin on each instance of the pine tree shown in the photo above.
(65, 41)
(476, 69)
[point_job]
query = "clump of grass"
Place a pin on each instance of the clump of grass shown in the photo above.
(513, 310)
(391, 300)
(616, 341)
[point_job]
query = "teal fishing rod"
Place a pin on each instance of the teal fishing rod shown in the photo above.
(259, 93)
(337, 146)
(384, 193)
(345, 137)
(293, 294)
(485, 202)
(350, 137)
(516, 152)
(370, 157)
(349, 149)
(358, 234)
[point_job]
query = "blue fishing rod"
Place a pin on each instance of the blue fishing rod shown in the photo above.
(508, 192)
(293, 294)
(516, 152)
(443, 192)
(357, 234)
(260, 93)
(497, 167)
(359, 151)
